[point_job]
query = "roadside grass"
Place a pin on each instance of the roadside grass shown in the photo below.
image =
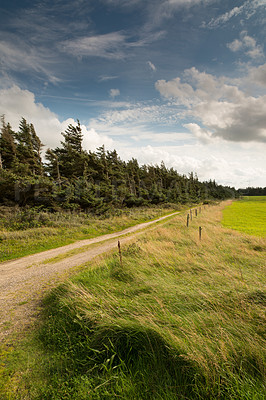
(179, 319)
(32, 231)
(247, 215)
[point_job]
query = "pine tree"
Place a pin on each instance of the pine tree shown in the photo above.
(68, 161)
(53, 165)
(37, 147)
(7, 145)
(73, 138)
(28, 150)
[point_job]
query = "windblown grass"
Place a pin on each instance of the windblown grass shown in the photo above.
(24, 232)
(247, 215)
(179, 319)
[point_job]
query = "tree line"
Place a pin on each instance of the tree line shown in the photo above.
(252, 191)
(70, 177)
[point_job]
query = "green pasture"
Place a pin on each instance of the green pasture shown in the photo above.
(247, 215)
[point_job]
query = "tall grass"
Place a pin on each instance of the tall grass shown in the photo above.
(28, 231)
(179, 319)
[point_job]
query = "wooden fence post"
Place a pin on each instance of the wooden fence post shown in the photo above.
(120, 253)
(196, 212)
(187, 220)
(191, 215)
(200, 229)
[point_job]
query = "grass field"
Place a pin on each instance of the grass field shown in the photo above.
(24, 232)
(179, 319)
(247, 215)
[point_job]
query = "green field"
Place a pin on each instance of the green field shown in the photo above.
(178, 319)
(247, 215)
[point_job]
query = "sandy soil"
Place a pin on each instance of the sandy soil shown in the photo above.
(24, 281)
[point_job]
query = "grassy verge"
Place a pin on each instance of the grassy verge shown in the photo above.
(247, 215)
(28, 232)
(179, 319)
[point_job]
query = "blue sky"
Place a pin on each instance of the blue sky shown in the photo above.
(182, 81)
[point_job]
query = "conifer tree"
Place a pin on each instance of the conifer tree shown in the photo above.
(68, 161)
(37, 147)
(28, 150)
(73, 138)
(53, 165)
(7, 145)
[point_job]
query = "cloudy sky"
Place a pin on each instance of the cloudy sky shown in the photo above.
(182, 81)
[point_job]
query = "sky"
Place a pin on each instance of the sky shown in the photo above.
(179, 81)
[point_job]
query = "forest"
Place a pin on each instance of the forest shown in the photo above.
(69, 177)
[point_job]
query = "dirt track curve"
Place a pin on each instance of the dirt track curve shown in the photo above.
(23, 281)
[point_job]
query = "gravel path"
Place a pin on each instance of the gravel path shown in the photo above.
(23, 281)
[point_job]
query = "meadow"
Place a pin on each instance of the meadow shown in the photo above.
(178, 318)
(31, 230)
(247, 215)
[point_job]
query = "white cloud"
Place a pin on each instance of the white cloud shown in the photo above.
(114, 93)
(161, 10)
(21, 57)
(204, 135)
(246, 10)
(162, 138)
(105, 46)
(138, 131)
(92, 140)
(222, 19)
(223, 109)
(151, 65)
(139, 113)
(258, 75)
(255, 52)
(107, 78)
(186, 3)
(248, 44)
(154, 3)
(235, 45)
(16, 103)
(112, 45)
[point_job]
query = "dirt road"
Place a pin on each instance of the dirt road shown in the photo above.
(23, 281)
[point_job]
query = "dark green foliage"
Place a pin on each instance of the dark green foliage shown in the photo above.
(28, 150)
(251, 191)
(74, 179)
(7, 145)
